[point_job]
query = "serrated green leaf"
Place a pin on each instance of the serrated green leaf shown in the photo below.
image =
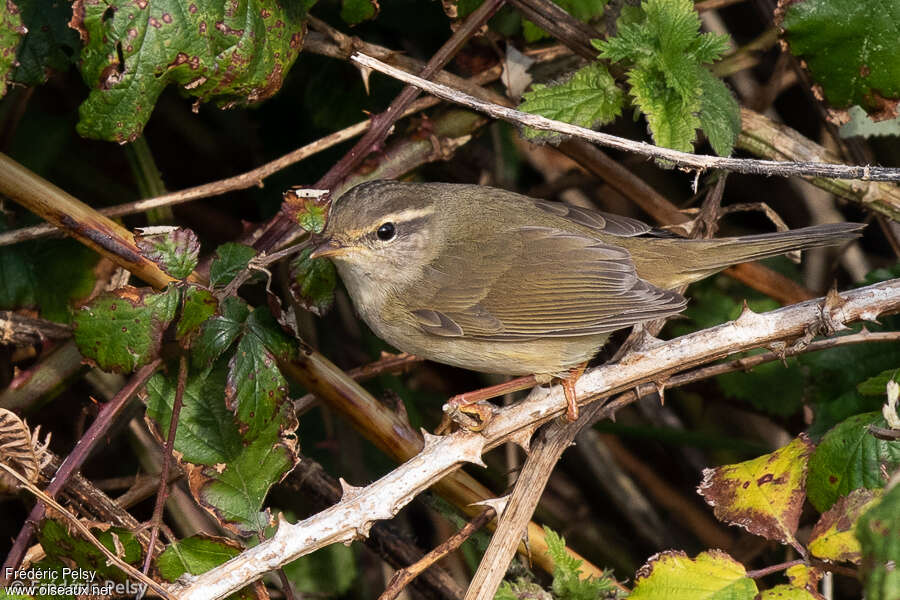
(313, 282)
(310, 214)
(122, 330)
(50, 44)
(713, 575)
(219, 332)
(199, 305)
(673, 122)
(849, 457)
(231, 259)
(720, 115)
(589, 98)
(567, 581)
(878, 531)
(354, 12)
(263, 325)
(195, 555)
(235, 472)
(231, 53)
(11, 33)
(850, 48)
(46, 275)
(255, 389)
(174, 249)
(666, 55)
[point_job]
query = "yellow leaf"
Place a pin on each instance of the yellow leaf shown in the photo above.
(833, 536)
(713, 575)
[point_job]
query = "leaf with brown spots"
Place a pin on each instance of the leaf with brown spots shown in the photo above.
(833, 536)
(763, 495)
(11, 32)
(229, 52)
(122, 330)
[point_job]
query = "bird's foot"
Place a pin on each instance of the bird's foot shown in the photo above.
(470, 411)
(568, 385)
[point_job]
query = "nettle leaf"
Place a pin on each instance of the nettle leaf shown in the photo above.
(354, 12)
(590, 98)
(230, 259)
(11, 32)
(174, 249)
(833, 536)
(219, 332)
(673, 575)
(312, 282)
(122, 330)
(199, 306)
(849, 457)
(50, 44)
(878, 531)
(230, 52)
(567, 580)
(666, 55)
(850, 48)
(70, 549)
(46, 275)
(231, 471)
(764, 495)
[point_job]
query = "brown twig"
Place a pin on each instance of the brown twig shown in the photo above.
(163, 490)
(95, 433)
(18, 330)
(403, 577)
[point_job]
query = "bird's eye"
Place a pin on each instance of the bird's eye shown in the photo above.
(386, 232)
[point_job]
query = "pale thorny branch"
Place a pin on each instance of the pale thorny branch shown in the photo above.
(654, 363)
(681, 159)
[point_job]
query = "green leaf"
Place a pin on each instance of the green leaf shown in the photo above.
(174, 249)
(234, 471)
(195, 555)
(263, 325)
(122, 330)
(328, 572)
(589, 98)
(666, 54)
(713, 575)
(849, 457)
(312, 282)
(46, 275)
(567, 581)
(850, 48)
(70, 549)
(255, 389)
(876, 386)
(720, 115)
(231, 259)
(309, 213)
(354, 12)
(50, 43)
(232, 53)
(218, 333)
(199, 305)
(878, 531)
(11, 33)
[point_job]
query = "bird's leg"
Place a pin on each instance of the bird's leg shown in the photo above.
(568, 385)
(470, 405)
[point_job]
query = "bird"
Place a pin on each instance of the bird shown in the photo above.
(494, 281)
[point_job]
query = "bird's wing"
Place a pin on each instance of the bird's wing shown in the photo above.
(536, 282)
(602, 222)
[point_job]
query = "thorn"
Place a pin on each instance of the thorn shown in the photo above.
(522, 437)
(349, 492)
(365, 72)
(474, 456)
(428, 438)
(362, 532)
(871, 316)
(498, 504)
(661, 391)
(747, 314)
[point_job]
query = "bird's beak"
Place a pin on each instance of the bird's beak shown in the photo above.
(329, 247)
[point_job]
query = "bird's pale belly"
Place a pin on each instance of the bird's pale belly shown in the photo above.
(526, 357)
